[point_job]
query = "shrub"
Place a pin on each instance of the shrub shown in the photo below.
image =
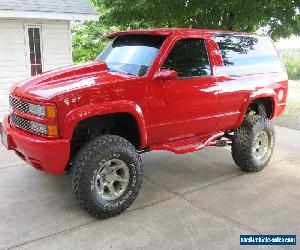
(291, 58)
(293, 68)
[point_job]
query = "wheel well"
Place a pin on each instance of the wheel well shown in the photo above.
(261, 105)
(122, 124)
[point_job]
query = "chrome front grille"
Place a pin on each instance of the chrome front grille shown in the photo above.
(18, 104)
(20, 122)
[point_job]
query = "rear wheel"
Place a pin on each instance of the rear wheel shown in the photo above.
(253, 143)
(107, 175)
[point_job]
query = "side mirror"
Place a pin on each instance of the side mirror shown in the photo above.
(165, 74)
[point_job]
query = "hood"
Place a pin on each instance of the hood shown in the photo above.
(53, 83)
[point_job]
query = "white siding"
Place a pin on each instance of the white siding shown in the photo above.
(12, 59)
(56, 45)
(14, 51)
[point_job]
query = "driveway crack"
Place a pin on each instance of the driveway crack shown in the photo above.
(210, 212)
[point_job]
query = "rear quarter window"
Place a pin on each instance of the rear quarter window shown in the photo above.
(248, 55)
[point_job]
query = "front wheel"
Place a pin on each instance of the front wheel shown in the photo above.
(107, 175)
(253, 143)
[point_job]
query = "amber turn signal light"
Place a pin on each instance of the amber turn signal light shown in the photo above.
(51, 111)
(52, 131)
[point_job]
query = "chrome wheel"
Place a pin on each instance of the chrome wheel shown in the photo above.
(261, 145)
(112, 179)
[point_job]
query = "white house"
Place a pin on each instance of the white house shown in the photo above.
(35, 36)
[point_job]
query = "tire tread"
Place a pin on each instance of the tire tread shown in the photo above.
(106, 144)
(242, 143)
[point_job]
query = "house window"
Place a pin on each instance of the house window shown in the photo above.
(34, 41)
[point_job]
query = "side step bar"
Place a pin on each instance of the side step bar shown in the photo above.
(189, 144)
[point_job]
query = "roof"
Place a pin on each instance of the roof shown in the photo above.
(74, 8)
(168, 31)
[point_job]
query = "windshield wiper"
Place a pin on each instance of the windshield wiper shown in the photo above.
(122, 72)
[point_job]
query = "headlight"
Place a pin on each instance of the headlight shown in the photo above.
(38, 128)
(37, 110)
(43, 129)
(42, 111)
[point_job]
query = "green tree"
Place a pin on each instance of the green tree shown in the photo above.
(88, 40)
(281, 18)
(89, 37)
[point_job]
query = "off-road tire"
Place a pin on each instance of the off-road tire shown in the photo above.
(243, 144)
(86, 166)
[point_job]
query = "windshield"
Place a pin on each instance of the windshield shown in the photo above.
(131, 54)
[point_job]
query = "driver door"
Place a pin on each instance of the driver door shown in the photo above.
(186, 106)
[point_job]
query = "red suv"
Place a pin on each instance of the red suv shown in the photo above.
(162, 89)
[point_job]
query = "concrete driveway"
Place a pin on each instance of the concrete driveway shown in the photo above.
(194, 201)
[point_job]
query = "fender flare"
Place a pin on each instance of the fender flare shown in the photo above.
(261, 93)
(81, 113)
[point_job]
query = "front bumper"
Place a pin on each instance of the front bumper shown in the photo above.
(49, 155)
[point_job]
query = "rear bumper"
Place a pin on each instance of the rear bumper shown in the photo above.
(47, 155)
(279, 109)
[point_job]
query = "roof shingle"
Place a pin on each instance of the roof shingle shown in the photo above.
(57, 6)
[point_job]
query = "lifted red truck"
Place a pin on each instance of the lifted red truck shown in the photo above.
(162, 89)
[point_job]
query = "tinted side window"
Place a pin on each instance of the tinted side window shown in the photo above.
(189, 58)
(248, 54)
